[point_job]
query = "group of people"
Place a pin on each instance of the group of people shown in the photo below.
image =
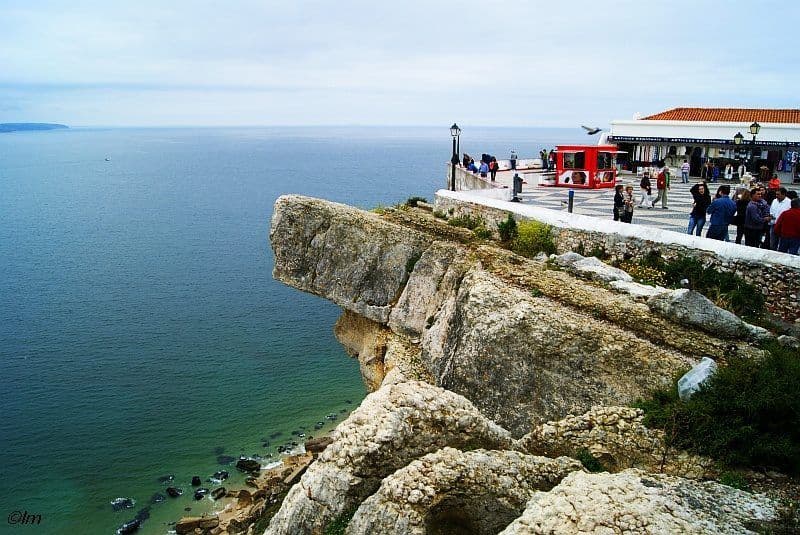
(765, 216)
(488, 165)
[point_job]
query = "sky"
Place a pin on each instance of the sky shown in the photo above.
(407, 62)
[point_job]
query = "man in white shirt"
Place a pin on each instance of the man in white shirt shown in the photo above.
(685, 172)
(780, 204)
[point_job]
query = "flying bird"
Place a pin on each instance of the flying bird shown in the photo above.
(591, 131)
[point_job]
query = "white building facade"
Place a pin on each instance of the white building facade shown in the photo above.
(702, 135)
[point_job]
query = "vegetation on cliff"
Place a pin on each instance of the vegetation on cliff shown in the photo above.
(746, 415)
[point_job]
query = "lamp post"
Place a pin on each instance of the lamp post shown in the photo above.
(455, 131)
(738, 139)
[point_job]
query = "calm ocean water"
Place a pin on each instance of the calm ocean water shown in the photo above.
(141, 333)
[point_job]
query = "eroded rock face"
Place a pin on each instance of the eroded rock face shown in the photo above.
(346, 255)
(617, 438)
(523, 359)
(393, 426)
(636, 502)
(477, 492)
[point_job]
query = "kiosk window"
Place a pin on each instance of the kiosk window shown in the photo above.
(574, 160)
(605, 160)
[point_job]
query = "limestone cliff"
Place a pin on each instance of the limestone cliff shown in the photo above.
(523, 342)
(467, 347)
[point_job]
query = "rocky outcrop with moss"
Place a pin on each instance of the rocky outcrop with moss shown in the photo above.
(468, 346)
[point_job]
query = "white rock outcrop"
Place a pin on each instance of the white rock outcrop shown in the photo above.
(478, 491)
(636, 502)
(393, 426)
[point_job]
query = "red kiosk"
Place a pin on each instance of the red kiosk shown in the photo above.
(586, 166)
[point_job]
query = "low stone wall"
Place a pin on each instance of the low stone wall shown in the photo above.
(776, 274)
(465, 180)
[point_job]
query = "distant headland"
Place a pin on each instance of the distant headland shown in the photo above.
(16, 127)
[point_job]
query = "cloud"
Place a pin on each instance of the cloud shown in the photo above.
(506, 62)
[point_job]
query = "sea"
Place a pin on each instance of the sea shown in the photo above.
(143, 340)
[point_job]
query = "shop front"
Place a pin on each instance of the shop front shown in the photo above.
(762, 141)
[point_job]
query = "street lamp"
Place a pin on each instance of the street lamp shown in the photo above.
(738, 139)
(455, 131)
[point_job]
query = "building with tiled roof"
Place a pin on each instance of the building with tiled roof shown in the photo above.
(700, 135)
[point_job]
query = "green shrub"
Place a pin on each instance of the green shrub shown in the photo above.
(412, 201)
(338, 525)
(482, 232)
(533, 237)
(727, 290)
(439, 214)
(746, 415)
(735, 480)
(507, 229)
(589, 461)
(467, 221)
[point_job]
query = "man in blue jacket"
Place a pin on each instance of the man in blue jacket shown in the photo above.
(721, 210)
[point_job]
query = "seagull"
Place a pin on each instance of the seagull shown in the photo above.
(590, 131)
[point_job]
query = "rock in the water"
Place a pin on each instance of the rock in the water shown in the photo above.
(225, 459)
(196, 482)
(174, 492)
(392, 427)
(220, 475)
(132, 526)
(189, 524)
(200, 493)
(248, 465)
(636, 502)
(479, 491)
(218, 493)
(157, 498)
(166, 479)
(118, 504)
(694, 309)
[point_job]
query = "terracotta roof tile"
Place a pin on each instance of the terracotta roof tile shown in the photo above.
(727, 115)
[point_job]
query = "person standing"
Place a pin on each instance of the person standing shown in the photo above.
(729, 172)
(685, 172)
(702, 199)
(484, 169)
(780, 204)
(742, 200)
(788, 229)
(513, 160)
(551, 160)
(662, 185)
(755, 218)
(543, 157)
(493, 168)
(645, 188)
(742, 171)
(619, 203)
(722, 210)
(627, 197)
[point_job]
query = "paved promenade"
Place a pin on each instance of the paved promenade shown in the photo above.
(599, 203)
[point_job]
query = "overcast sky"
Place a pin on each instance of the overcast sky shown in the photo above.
(406, 62)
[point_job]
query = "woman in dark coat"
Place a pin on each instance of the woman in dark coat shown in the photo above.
(742, 200)
(702, 198)
(619, 202)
